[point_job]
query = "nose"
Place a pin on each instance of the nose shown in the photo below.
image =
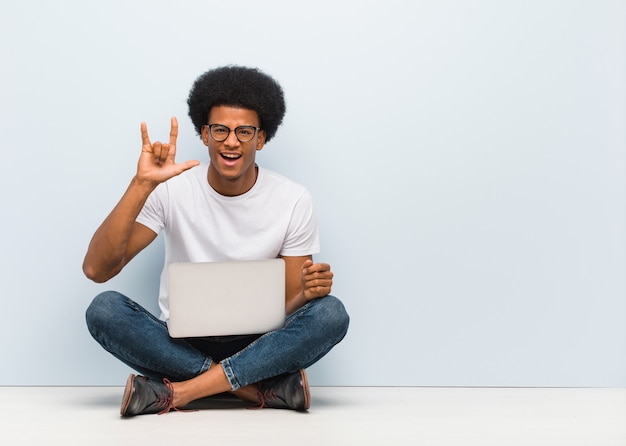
(231, 140)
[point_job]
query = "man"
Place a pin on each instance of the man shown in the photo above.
(227, 209)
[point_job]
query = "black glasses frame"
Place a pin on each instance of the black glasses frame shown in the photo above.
(250, 127)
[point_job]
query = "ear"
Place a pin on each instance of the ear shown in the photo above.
(260, 141)
(204, 134)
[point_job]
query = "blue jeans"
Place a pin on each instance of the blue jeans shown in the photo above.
(136, 337)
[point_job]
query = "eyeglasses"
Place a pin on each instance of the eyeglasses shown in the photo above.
(244, 133)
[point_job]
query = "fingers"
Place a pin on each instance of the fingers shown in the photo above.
(310, 269)
(160, 150)
(157, 161)
(173, 131)
(145, 139)
(307, 264)
(317, 279)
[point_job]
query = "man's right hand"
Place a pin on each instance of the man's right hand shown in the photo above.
(157, 161)
(119, 238)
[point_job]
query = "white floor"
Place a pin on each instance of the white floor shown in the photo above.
(338, 416)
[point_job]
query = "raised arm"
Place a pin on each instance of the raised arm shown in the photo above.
(119, 238)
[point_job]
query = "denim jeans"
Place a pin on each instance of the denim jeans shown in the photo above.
(136, 337)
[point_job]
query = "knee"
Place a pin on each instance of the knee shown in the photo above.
(333, 315)
(103, 308)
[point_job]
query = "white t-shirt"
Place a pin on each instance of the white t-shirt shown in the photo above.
(274, 218)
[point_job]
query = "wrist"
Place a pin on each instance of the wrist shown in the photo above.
(146, 186)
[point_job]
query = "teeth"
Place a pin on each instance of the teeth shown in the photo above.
(230, 155)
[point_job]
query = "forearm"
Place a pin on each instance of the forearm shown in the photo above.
(295, 302)
(108, 250)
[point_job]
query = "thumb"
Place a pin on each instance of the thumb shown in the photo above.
(189, 164)
(181, 167)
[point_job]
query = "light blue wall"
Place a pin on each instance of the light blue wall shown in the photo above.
(467, 160)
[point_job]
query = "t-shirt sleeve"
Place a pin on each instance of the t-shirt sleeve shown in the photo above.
(302, 235)
(153, 214)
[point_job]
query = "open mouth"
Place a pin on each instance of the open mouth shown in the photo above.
(230, 156)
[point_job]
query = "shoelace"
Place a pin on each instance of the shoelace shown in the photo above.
(269, 394)
(165, 401)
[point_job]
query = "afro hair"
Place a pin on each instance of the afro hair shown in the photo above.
(241, 87)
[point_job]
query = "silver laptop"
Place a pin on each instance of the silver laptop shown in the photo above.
(226, 298)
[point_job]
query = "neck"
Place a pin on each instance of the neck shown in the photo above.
(231, 187)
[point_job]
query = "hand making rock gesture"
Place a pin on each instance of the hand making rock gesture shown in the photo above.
(157, 161)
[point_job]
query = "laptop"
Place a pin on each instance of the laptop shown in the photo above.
(226, 298)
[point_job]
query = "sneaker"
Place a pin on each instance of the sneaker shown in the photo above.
(142, 396)
(288, 391)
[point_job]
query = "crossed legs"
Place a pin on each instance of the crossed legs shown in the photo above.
(140, 340)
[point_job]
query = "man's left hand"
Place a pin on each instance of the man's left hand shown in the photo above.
(317, 280)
